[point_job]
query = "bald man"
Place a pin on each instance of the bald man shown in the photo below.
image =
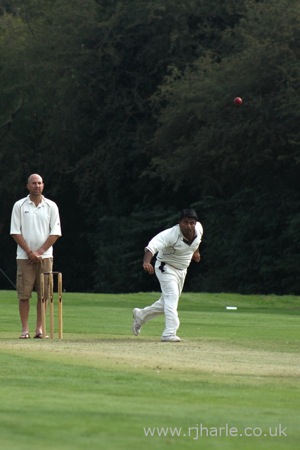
(35, 227)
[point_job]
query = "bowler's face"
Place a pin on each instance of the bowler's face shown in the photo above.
(187, 227)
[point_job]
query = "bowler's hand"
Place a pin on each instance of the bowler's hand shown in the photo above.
(148, 268)
(196, 256)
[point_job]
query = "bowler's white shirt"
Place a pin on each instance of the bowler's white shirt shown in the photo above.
(172, 247)
(35, 224)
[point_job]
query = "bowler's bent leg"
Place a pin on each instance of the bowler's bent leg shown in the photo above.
(152, 311)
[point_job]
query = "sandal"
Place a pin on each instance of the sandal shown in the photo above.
(24, 336)
(40, 336)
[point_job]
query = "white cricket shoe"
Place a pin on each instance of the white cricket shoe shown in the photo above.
(170, 339)
(136, 325)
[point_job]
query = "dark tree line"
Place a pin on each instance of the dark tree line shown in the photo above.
(126, 110)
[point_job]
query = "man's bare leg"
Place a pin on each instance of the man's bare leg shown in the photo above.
(24, 307)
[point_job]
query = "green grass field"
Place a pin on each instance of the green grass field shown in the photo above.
(231, 383)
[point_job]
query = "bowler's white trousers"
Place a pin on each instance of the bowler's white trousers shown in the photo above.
(171, 284)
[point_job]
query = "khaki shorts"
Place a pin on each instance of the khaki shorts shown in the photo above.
(28, 276)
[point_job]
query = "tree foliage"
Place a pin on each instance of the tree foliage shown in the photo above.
(126, 109)
(199, 123)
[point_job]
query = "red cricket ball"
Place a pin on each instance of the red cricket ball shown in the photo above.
(238, 100)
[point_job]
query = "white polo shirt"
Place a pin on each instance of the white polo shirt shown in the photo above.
(35, 224)
(172, 247)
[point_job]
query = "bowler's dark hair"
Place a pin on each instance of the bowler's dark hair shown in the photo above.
(189, 213)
